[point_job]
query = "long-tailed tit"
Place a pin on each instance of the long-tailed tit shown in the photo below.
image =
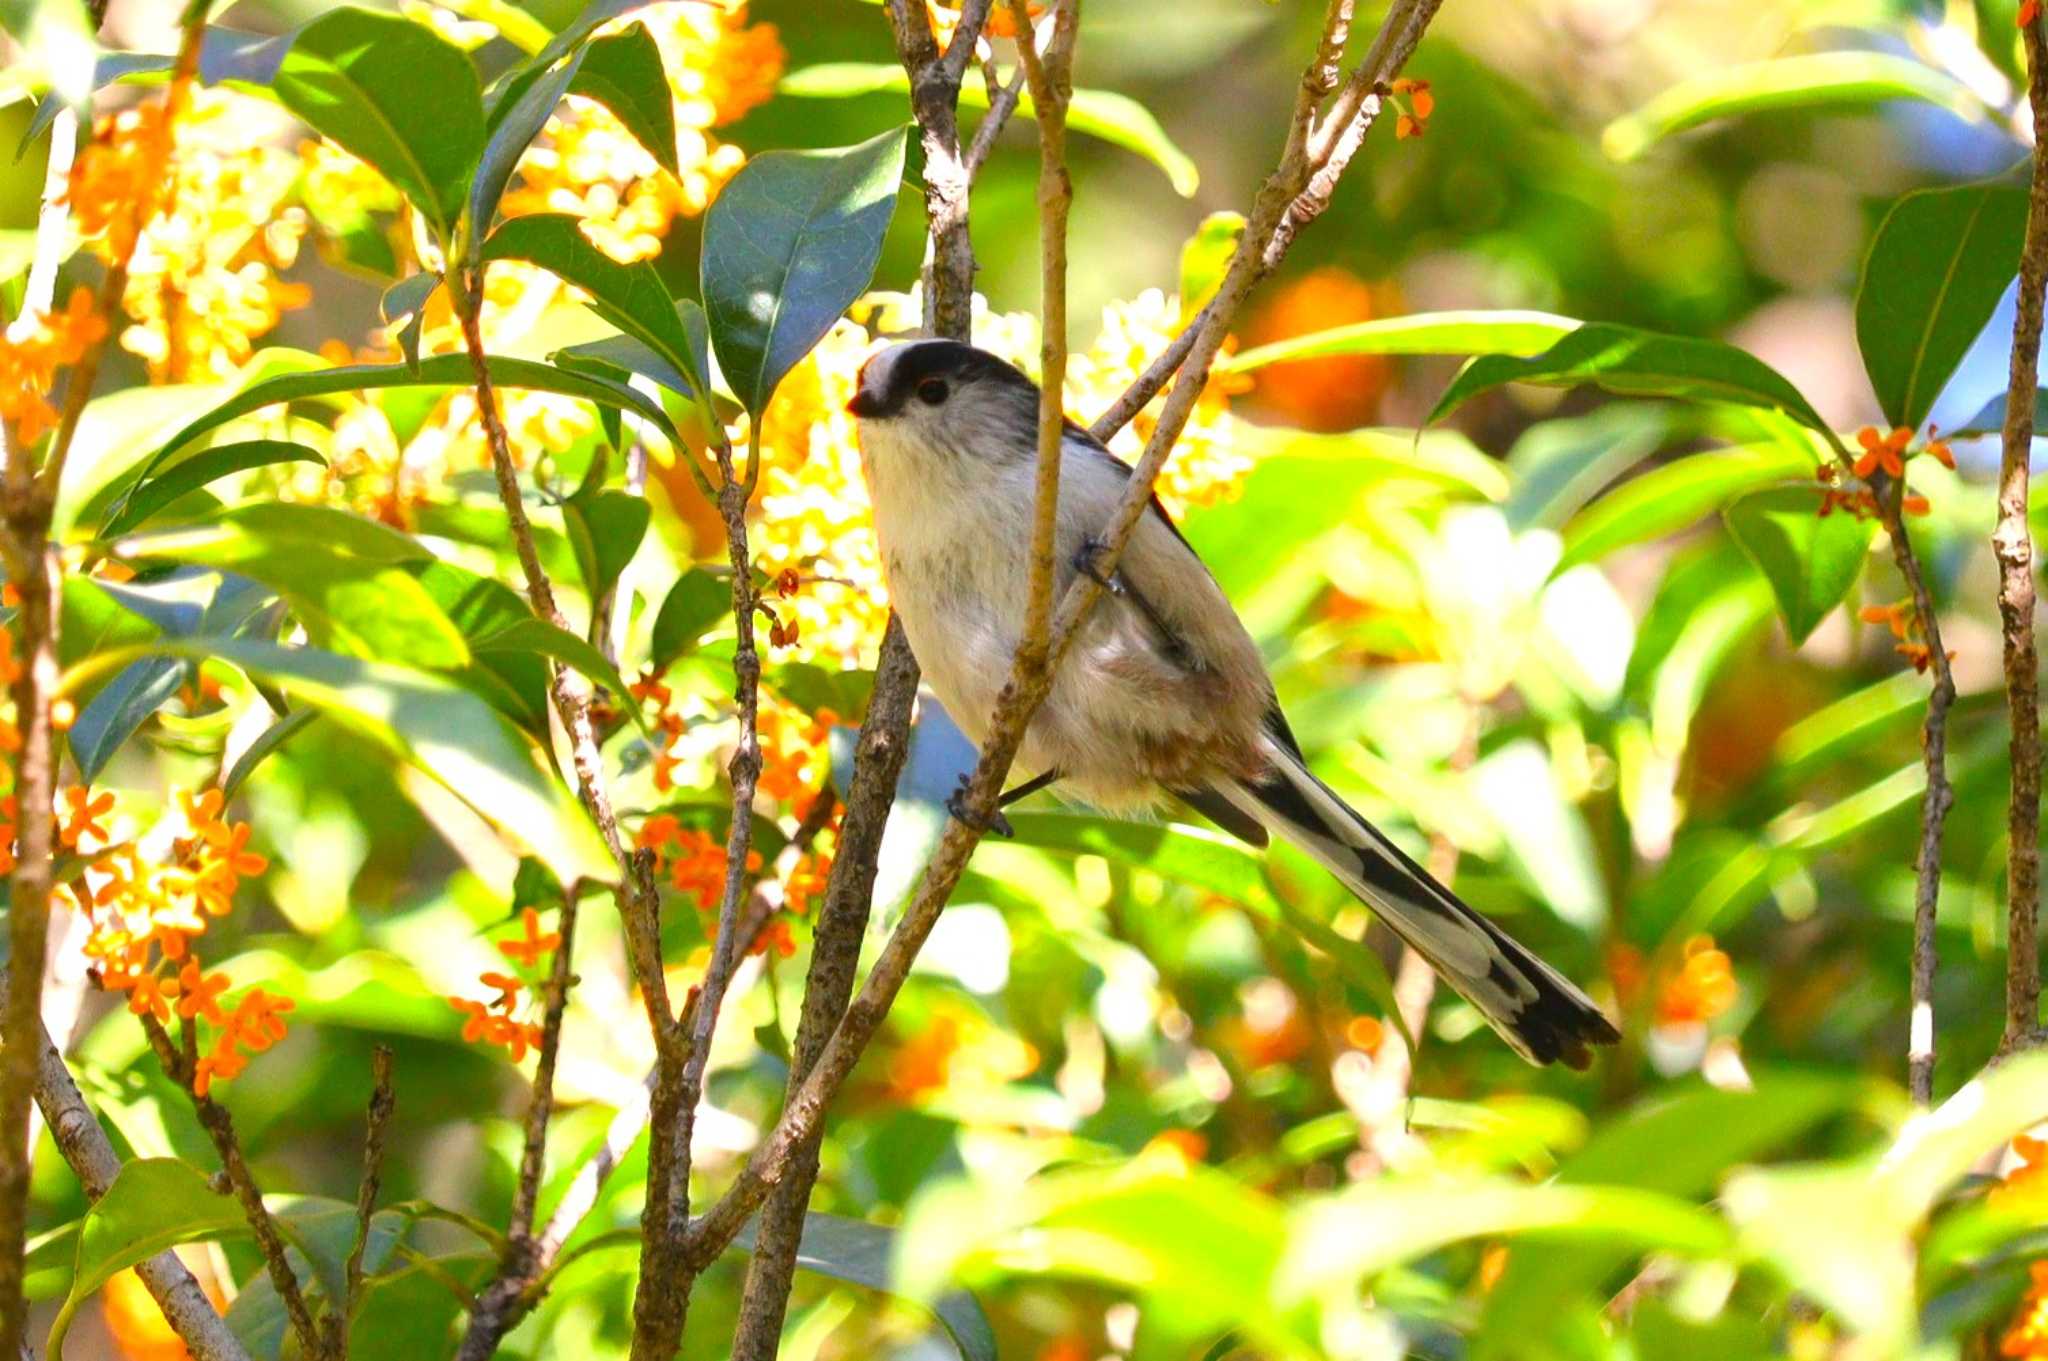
(1163, 693)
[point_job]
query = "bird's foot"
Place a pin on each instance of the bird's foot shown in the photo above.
(1084, 562)
(995, 824)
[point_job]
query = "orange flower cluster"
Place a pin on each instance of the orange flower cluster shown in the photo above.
(496, 1021)
(29, 362)
(1413, 118)
(695, 862)
(1904, 622)
(121, 179)
(145, 899)
(796, 754)
(2027, 1336)
(1861, 503)
(1702, 987)
(1888, 451)
(2030, 10)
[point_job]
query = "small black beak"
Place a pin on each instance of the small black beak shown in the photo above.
(865, 403)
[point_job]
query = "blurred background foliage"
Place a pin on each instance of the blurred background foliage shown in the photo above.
(1130, 1099)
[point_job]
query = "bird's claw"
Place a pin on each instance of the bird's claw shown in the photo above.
(995, 824)
(1084, 563)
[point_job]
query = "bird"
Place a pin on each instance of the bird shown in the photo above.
(1163, 695)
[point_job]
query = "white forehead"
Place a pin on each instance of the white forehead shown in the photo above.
(881, 365)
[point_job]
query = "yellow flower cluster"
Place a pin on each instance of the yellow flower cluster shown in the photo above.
(203, 280)
(589, 165)
(812, 508)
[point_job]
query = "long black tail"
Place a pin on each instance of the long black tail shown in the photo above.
(1536, 1010)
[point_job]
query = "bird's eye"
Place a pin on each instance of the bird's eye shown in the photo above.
(931, 391)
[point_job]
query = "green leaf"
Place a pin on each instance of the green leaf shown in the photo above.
(1103, 114)
(1205, 258)
(623, 357)
(396, 96)
(152, 495)
(605, 528)
(406, 301)
(1810, 561)
(1814, 80)
(515, 683)
(1510, 333)
(789, 243)
(856, 1251)
(1412, 1218)
(593, 16)
(1674, 496)
(541, 638)
(443, 730)
(268, 741)
(1941, 261)
(447, 370)
(347, 578)
(630, 297)
(510, 129)
(1637, 363)
(154, 1204)
(121, 708)
(696, 602)
(623, 72)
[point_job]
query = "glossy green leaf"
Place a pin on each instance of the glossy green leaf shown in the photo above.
(441, 728)
(511, 127)
(789, 243)
(1509, 333)
(154, 494)
(347, 578)
(631, 297)
(515, 683)
(696, 602)
(1676, 495)
(395, 95)
(268, 741)
(605, 528)
(1814, 80)
(1104, 114)
(447, 370)
(153, 1204)
(1637, 363)
(855, 1251)
(1810, 560)
(1941, 261)
(623, 72)
(622, 358)
(543, 639)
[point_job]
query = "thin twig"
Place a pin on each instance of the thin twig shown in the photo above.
(2013, 544)
(802, 1114)
(1052, 86)
(638, 901)
(519, 1265)
(220, 1128)
(338, 1317)
(1002, 102)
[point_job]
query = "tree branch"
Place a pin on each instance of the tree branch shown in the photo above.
(2012, 543)
(803, 1113)
(339, 1316)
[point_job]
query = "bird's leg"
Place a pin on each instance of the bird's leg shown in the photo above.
(996, 824)
(1117, 585)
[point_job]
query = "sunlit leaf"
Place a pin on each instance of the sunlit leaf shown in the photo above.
(1810, 560)
(696, 602)
(189, 475)
(1676, 495)
(623, 72)
(1637, 363)
(395, 95)
(1510, 333)
(789, 243)
(1941, 261)
(1816, 80)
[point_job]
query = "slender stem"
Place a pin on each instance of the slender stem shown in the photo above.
(381, 1105)
(2013, 544)
(220, 1128)
(638, 900)
(1052, 86)
(804, 1112)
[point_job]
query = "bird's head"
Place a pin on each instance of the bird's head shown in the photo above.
(945, 397)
